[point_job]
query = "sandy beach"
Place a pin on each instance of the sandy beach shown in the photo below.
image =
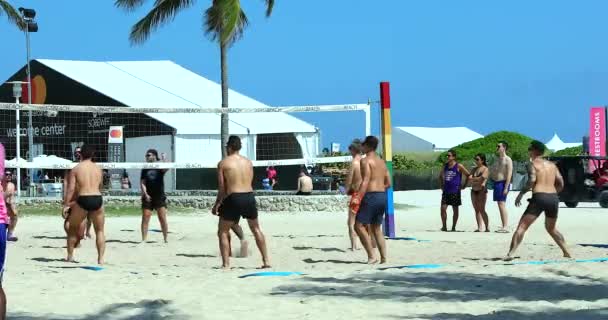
(180, 280)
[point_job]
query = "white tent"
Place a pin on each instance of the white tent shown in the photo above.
(164, 84)
(556, 144)
(426, 139)
(13, 162)
(49, 160)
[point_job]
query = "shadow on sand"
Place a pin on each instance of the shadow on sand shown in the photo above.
(322, 249)
(189, 255)
(411, 287)
(143, 310)
(546, 314)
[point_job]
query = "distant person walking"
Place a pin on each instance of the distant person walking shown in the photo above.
(479, 192)
(450, 180)
(501, 172)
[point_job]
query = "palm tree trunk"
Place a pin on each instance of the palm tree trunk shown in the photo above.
(224, 130)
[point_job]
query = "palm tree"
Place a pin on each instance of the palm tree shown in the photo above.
(12, 14)
(225, 21)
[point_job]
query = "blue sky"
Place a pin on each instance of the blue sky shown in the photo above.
(529, 66)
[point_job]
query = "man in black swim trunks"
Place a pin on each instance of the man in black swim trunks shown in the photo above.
(235, 199)
(86, 226)
(86, 177)
(153, 196)
(545, 181)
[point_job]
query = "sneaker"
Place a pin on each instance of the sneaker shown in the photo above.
(12, 238)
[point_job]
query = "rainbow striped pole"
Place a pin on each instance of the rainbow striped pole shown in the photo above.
(385, 104)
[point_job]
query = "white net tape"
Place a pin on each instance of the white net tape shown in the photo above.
(102, 109)
(53, 108)
(178, 165)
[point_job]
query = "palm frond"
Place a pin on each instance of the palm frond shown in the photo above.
(12, 14)
(129, 5)
(269, 7)
(226, 21)
(163, 12)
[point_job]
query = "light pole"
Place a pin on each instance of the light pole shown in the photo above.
(28, 16)
(17, 94)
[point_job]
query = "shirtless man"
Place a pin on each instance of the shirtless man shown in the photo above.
(304, 184)
(371, 198)
(11, 206)
(235, 198)
(66, 223)
(501, 172)
(87, 177)
(545, 181)
(353, 182)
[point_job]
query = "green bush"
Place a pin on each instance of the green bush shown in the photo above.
(573, 151)
(518, 147)
(405, 161)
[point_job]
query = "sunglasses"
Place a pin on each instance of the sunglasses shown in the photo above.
(149, 155)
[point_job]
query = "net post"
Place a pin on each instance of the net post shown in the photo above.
(385, 104)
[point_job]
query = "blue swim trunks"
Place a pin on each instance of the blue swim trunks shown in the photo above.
(499, 189)
(3, 236)
(372, 208)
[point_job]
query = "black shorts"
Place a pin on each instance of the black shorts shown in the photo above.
(155, 203)
(90, 203)
(372, 208)
(237, 205)
(547, 202)
(451, 199)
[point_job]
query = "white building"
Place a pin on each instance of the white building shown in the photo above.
(556, 144)
(426, 139)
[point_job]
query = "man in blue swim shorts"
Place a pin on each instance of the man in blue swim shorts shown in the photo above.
(372, 199)
(501, 172)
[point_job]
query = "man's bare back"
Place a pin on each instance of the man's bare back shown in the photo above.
(237, 172)
(379, 180)
(88, 177)
(548, 179)
(305, 183)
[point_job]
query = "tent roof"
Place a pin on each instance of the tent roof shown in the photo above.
(557, 144)
(443, 138)
(167, 84)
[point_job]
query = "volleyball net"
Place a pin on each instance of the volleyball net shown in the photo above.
(188, 137)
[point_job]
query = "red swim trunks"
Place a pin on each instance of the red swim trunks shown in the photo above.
(354, 205)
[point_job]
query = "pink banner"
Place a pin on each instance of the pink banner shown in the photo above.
(597, 133)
